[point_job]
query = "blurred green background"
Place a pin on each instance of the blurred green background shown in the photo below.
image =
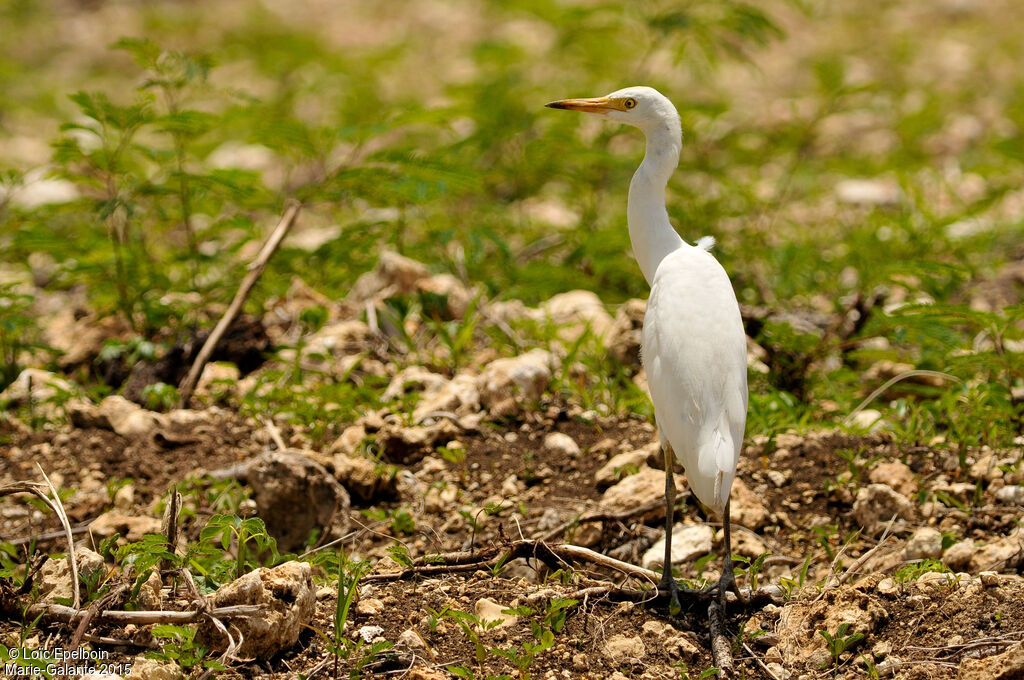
(839, 151)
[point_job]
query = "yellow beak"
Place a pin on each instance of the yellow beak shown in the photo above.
(589, 105)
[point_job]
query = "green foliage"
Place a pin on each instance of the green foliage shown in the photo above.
(842, 641)
(180, 646)
(914, 570)
(252, 545)
(18, 332)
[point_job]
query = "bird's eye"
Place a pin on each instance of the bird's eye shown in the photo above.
(630, 103)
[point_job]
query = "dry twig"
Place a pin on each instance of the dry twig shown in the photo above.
(255, 270)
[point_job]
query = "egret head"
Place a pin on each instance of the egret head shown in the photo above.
(642, 107)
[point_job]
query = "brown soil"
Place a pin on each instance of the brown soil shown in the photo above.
(930, 629)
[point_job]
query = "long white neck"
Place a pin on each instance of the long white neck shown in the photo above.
(650, 232)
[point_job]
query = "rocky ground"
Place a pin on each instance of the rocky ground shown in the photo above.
(883, 558)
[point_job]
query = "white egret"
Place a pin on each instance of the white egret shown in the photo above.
(694, 346)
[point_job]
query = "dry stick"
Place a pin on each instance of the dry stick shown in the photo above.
(67, 614)
(55, 504)
(760, 663)
(600, 516)
(721, 643)
(892, 381)
(255, 270)
(274, 432)
(58, 507)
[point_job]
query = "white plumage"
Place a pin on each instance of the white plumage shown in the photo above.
(694, 345)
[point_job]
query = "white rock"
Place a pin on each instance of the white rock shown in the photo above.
(1012, 495)
(925, 543)
(876, 504)
(745, 507)
(896, 475)
(55, 574)
(458, 395)
(561, 444)
(996, 554)
(625, 648)
(371, 606)
(688, 541)
(39, 385)
(350, 440)
(39, 190)
(488, 610)
(369, 633)
(639, 490)
(393, 275)
(218, 378)
(411, 640)
(286, 601)
(151, 669)
(127, 418)
(623, 464)
(523, 377)
(130, 527)
(575, 310)
(413, 379)
(869, 420)
(868, 191)
(958, 556)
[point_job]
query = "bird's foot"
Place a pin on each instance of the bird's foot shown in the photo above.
(726, 583)
(669, 585)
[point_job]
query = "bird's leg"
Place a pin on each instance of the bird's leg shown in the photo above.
(728, 579)
(668, 583)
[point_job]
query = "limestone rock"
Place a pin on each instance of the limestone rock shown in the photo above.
(151, 669)
(1006, 666)
(218, 380)
(626, 334)
(413, 379)
(363, 478)
(130, 527)
(39, 386)
(343, 338)
(868, 191)
(925, 543)
(349, 441)
(286, 599)
(1011, 495)
(745, 507)
(958, 556)
(876, 504)
(524, 377)
(896, 475)
(622, 464)
(371, 606)
(458, 395)
(799, 640)
(393, 275)
(645, 487)
(489, 610)
(575, 311)
(999, 554)
(151, 592)
(55, 574)
(410, 639)
(688, 541)
(127, 418)
(401, 444)
(625, 648)
(561, 444)
(296, 495)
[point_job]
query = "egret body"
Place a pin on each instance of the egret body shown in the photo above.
(694, 346)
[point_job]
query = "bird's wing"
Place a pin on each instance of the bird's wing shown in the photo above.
(695, 354)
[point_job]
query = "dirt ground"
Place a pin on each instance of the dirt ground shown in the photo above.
(914, 626)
